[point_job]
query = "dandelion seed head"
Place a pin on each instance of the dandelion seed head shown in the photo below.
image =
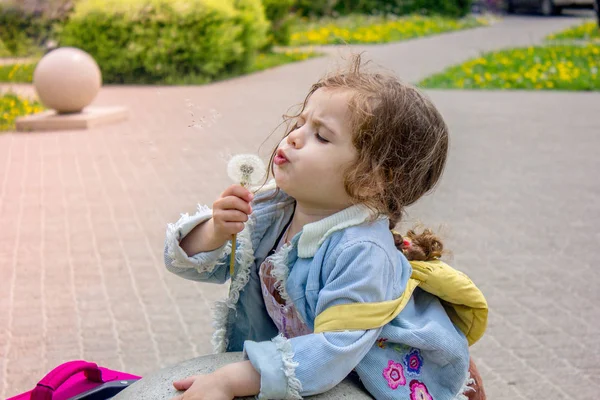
(247, 169)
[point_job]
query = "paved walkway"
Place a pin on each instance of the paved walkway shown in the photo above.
(83, 215)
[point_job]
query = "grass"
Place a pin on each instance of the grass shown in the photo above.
(587, 31)
(23, 73)
(269, 60)
(552, 67)
(13, 106)
(18, 73)
(376, 29)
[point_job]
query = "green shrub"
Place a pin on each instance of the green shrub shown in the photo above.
(315, 8)
(451, 8)
(344, 7)
(454, 8)
(21, 32)
(23, 73)
(148, 41)
(4, 52)
(279, 14)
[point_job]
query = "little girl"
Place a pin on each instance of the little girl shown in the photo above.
(320, 288)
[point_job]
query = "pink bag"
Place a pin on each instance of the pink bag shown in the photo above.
(78, 380)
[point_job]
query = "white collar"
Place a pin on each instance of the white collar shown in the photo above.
(315, 233)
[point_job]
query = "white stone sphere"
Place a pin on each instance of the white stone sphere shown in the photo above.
(67, 79)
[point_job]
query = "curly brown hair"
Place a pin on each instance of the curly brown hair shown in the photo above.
(418, 246)
(400, 137)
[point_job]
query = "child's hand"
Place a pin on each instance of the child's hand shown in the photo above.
(203, 387)
(231, 210)
(232, 380)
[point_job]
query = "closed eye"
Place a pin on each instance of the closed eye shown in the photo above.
(321, 138)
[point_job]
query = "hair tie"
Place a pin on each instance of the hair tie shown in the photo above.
(406, 243)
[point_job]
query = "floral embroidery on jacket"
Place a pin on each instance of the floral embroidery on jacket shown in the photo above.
(381, 342)
(413, 362)
(418, 391)
(394, 375)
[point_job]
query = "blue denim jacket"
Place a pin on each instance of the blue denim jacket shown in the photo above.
(345, 258)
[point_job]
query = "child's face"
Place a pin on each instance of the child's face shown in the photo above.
(311, 160)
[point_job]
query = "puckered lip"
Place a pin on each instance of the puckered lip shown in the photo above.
(281, 153)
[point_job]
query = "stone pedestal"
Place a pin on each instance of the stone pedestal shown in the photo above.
(87, 118)
(67, 80)
(159, 385)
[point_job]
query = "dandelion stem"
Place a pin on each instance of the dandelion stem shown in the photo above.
(247, 170)
(232, 258)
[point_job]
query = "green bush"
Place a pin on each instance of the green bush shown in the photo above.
(22, 32)
(279, 14)
(149, 41)
(315, 8)
(4, 52)
(453, 8)
(23, 73)
(345, 7)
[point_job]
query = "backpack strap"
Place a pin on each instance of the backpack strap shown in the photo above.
(362, 316)
(463, 301)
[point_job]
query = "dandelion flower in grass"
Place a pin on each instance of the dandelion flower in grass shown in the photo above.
(247, 169)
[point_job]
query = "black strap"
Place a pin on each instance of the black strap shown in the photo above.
(283, 231)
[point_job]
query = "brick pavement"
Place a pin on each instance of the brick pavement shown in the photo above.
(83, 216)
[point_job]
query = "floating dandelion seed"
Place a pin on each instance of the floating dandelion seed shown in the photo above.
(214, 114)
(202, 121)
(247, 169)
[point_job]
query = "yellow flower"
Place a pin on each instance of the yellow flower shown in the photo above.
(378, 29)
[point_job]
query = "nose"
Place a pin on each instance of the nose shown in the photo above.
(294, 139)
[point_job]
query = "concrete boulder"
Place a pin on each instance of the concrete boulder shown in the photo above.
(159, 385)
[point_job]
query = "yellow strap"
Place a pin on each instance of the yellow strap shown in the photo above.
(363, 315)
(463, 301)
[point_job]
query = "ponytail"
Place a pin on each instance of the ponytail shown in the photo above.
(424, 246)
